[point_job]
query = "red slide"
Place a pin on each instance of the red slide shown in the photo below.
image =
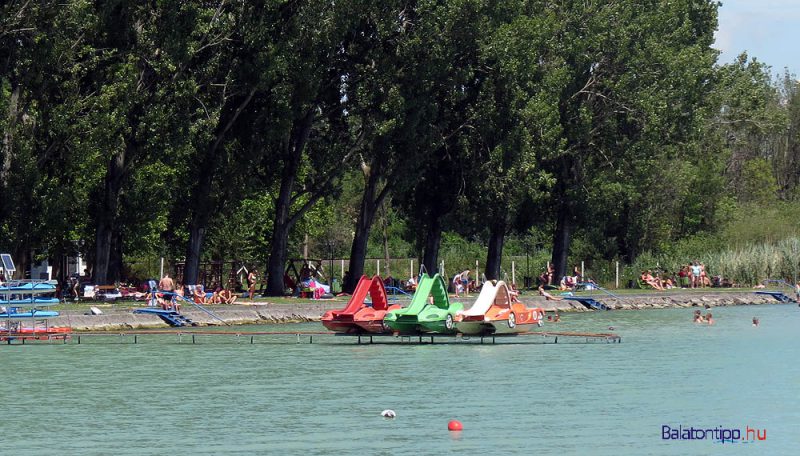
(358, 316)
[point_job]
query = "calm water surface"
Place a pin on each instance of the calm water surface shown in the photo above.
(224, 396)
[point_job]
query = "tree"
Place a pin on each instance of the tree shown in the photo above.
(224, 83)
(749, 118)
(632, 78)
(447, 51)
(129, 119)
(302, 130)
(514, 122)
(44, 176)
(386, 109)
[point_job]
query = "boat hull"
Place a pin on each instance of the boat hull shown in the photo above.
(474, 327)
(477, 327)
(403, 325)
(36, 333)
(347, 327)
(28, 315)
(365, 320)
(437, 326)
(501, 327)
(372, 326)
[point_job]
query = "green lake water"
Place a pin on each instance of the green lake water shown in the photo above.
(225, 396)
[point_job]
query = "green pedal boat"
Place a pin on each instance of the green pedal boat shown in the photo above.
(430, 310)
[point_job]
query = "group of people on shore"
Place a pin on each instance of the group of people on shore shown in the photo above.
(656, 282)
(567, 282)
(218, 296)
(696, 274)
(169, 294)
(690, 275)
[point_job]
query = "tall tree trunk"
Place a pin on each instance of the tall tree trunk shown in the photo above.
(371, 200)
(561, 240)
(107, 216)
(197, 234)
(7, 152)
(202, 205)
(433, 238)
(56, 259)
(201, 209)
(277, 259)
(386, 256)
(358, 250)
(8, 137)
(494, 257)
(114, 273)
(283, 204)
(21, 256)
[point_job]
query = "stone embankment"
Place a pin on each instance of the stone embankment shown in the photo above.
(665, 300)
(116, 320)
(119, 319)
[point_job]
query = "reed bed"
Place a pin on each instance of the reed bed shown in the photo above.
(748, 265)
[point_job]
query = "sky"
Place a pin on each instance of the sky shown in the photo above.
(767, 29)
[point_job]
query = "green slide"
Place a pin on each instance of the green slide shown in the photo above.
(421, 315)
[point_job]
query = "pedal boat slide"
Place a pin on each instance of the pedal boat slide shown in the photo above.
(496, 312)
(358, 316)
(423, 315)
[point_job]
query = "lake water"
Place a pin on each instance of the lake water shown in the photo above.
(224, 397)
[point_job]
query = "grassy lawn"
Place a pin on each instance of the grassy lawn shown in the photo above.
(83, 306)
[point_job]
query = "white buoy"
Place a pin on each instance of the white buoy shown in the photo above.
(388, 413)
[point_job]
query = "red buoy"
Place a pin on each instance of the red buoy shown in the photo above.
(454, 425)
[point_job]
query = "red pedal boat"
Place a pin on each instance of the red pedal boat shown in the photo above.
(359, 316)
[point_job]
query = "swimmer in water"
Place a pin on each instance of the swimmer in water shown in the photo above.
(755, 321)
(709, 318)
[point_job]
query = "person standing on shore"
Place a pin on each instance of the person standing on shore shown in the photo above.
(797, 292)
(252, 278)
(457, 285)
(167, 286)
(460, 282)
(696, 270)
(465, 282)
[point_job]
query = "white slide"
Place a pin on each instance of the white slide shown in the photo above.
(484, 301)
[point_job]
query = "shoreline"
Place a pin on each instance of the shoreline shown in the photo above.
(304, 311)
(678, 299)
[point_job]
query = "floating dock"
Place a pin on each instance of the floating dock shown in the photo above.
(201, 337)
(171, 317)
(588, 302)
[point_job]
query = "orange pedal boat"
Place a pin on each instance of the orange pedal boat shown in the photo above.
(496, 311)
(358, 316)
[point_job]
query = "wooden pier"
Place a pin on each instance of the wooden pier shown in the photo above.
(201, 337)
